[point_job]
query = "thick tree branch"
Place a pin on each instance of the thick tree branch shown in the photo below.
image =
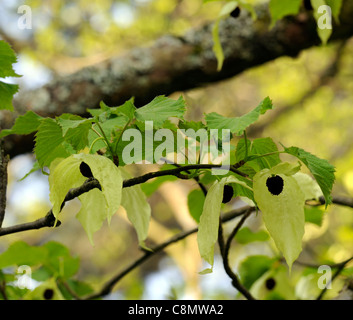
(174, 64)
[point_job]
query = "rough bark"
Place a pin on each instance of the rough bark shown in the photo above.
(173, 64)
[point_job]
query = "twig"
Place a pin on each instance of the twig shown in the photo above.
(224, 248)
(3, 182)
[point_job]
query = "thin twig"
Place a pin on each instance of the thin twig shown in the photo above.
(3, 182)
(224, 248)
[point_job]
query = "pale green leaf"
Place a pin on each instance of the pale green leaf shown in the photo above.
(283, 214)
(308, 185)
(217, 46)
(93, 212)
(323, 19)
(63, 176)
(280, 9)
(239, 124)
(109, 177)
(137, 208)
(209, 221)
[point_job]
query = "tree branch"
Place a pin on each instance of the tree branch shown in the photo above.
(3, 181)
(225, 247)
(150, 71)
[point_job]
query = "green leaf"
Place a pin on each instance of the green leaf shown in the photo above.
(109, 177)
(75, 130)
(283, 213)
(321, 169)
(160, 109)
(128, 109)
(20, 253)
(7, 92)
(59, 261)
(7, 59)
(253, 267)
(314, 215)
(93, 212)
(245, 235)
(324, 19)
(39, 292)
(25, 124)
(150, 187)
(196, 199)
(336, 6)
(217, 46)
(239, 124)
(63, 176)
(257, 148)
(280, 9)
(308, 185)
(49, 142)
(137, 208)
(209, 221)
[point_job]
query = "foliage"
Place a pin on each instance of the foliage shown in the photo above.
(7, 90)
(64, 143)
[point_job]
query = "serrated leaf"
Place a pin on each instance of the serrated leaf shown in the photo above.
(49, 142)
(25, 124)
(239, 124)
(75, 130)
(109, 177)
(128, 109)
(7, 59)
(209, 221)
(321, 169)
(280, 9)
(7, 91)
(283, 214)
(255, 148)
(160, 109)
(137, 208)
